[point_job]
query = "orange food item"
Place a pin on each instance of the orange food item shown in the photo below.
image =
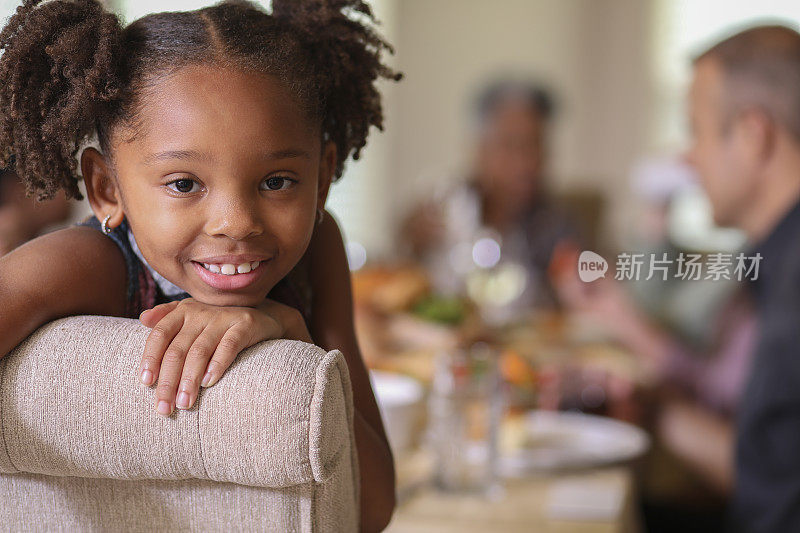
(516, 369)
(390, 289)
(564, 261)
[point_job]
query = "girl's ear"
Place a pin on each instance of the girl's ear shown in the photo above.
(326, 169)
(100, 188)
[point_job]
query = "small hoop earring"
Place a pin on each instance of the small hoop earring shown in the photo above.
(104, 225)
(320, 215)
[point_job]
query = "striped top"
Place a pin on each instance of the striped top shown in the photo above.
(146, 288)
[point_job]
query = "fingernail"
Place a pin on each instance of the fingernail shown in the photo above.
(147, 377)
(206, 379)
(164, 408)
(183, 400)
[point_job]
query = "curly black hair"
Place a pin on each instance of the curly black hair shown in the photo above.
(69, 70)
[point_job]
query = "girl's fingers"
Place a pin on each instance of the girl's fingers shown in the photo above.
(188, 349)
(172, 365)
(157, 343)
(151, 317)
(235, 339)
(196, 363)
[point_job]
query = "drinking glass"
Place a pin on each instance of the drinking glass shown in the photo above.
(465, 408)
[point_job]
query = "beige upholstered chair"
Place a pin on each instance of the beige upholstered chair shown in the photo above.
(270, 447)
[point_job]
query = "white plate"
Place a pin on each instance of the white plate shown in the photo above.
(568, 441)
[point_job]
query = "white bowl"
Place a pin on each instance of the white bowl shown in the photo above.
(400, 400)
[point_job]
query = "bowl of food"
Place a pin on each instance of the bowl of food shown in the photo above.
(401, 402)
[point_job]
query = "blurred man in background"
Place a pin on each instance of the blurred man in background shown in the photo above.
(694, 340)
(745, 116)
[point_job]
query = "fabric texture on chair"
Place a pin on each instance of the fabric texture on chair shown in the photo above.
(270, 447)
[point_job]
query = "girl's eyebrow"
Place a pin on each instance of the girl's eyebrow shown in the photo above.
(183, 155)
(189, 155)
(288, 154)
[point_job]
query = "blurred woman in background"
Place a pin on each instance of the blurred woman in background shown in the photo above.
(503, 197)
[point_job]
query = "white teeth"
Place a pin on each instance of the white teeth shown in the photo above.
(230, 269)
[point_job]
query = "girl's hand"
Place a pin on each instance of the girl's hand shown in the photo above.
(193, 343)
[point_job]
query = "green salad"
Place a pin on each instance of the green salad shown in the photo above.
(446, 310)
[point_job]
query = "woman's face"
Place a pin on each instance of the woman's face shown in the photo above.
(510, 156)
(225, 170)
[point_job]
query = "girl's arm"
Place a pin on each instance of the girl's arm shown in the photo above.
(332, 328)
(74, 271)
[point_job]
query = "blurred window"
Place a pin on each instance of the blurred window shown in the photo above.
(7, 8)
(133, 9)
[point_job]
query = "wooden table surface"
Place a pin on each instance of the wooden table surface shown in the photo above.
(521, 505)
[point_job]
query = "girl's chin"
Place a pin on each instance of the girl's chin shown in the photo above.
(230, 300)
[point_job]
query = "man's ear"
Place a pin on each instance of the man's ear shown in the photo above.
(758, 133)
(100, 187)
(326, 169)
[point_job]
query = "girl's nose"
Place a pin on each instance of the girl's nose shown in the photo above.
(235, 220)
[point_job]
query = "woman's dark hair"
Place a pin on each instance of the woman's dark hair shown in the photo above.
(69, 69)
(536, 96)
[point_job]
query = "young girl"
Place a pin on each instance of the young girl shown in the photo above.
(220, 131)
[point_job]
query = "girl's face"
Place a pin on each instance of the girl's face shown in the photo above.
(226, 170)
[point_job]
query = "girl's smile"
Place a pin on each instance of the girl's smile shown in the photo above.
(228, 276)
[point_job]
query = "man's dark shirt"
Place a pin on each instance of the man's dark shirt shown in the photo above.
(767, 494)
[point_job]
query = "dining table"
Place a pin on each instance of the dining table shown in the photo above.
(596, 500)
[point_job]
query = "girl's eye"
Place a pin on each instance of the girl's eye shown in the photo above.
(277, 183)
(182, 185)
